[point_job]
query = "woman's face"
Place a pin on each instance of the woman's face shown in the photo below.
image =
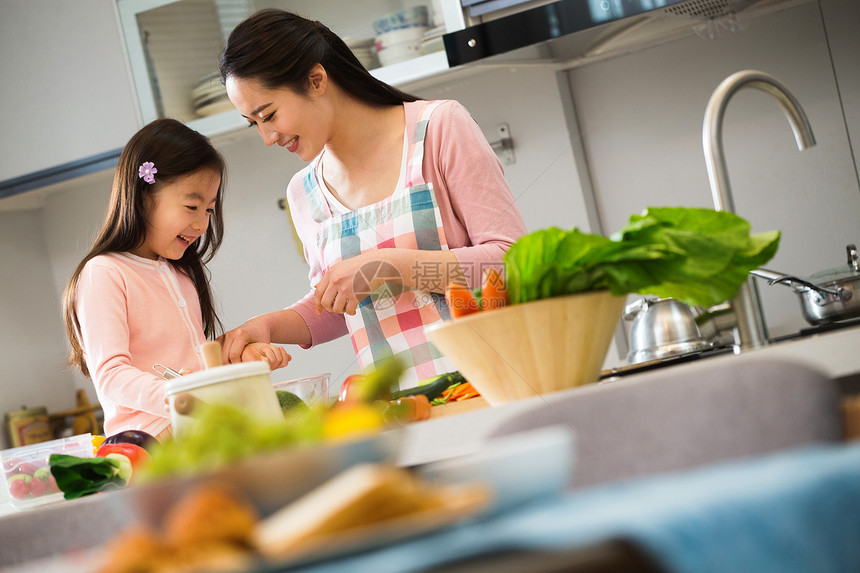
(177, 214)
(294, 121)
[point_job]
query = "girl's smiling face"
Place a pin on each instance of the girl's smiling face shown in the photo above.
(177, 214)
(294, 121)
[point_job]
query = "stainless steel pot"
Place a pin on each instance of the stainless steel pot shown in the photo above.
(827, 296)
(662, 327)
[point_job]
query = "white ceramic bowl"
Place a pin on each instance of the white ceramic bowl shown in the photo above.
(534, 348)
(405, 35)
(409, 17)
(399, 53)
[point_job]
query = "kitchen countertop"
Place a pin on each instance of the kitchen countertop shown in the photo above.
(836, 354)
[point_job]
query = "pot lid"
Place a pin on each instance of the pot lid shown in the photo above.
(849, 271)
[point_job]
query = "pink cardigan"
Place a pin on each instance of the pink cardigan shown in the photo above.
(136, 313)
(479, 213)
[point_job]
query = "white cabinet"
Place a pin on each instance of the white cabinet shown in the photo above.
(66, 92)
(173, 48)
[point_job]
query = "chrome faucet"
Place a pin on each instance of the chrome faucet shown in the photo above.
(751, 331)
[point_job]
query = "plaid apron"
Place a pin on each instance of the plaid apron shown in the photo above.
(391, 320)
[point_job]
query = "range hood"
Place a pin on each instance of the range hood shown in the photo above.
(591, 28)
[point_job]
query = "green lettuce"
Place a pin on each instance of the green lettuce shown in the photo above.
(77, 477)
(698, 256)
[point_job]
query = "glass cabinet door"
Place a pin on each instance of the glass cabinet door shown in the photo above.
(173, 47)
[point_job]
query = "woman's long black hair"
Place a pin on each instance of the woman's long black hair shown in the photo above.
(279, 49)
(176, 150)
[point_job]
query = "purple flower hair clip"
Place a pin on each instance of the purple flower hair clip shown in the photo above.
(147, 172)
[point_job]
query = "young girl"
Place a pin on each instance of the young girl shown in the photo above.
(141, 296)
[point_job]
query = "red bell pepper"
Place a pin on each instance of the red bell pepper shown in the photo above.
(131, 457)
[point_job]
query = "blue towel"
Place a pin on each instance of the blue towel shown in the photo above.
(793, 511)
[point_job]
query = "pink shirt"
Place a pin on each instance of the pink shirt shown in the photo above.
(479, 213)
(135, 313)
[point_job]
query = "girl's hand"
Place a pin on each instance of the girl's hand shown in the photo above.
(182, 372)
(276, 356)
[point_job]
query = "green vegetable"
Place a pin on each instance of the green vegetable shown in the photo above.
(431, 387)
(288, 401)
(698, 256)
(379, 380)
(222, 435)
(77, 477)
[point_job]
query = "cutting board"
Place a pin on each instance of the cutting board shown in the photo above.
(452, 408)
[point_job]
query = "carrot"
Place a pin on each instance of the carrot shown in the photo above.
(461, 301)
(463, 392)
(445, 397)
(494, 293)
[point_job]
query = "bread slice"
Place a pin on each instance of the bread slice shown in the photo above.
(361, 495)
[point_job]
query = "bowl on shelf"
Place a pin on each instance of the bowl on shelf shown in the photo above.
(417, 16)
(209, 96)
(432, 40)
(399, 45)
(365, 50)
(534, 348)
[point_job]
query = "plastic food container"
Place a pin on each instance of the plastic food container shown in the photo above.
(27, 475)
(246, 386)
(313, 390)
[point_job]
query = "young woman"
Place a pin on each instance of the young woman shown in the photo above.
(401, 196)
(141, 296)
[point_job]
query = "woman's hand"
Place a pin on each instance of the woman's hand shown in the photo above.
(276, 356)
(336, 291)
(349, 281)
(233, 342)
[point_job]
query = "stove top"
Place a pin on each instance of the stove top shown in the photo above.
(605, 375)
(819, 329)
(663, 362)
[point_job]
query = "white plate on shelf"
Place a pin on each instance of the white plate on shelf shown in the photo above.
(214, 108)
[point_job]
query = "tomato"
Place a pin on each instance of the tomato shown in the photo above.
(349, 390)
(131, 457)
